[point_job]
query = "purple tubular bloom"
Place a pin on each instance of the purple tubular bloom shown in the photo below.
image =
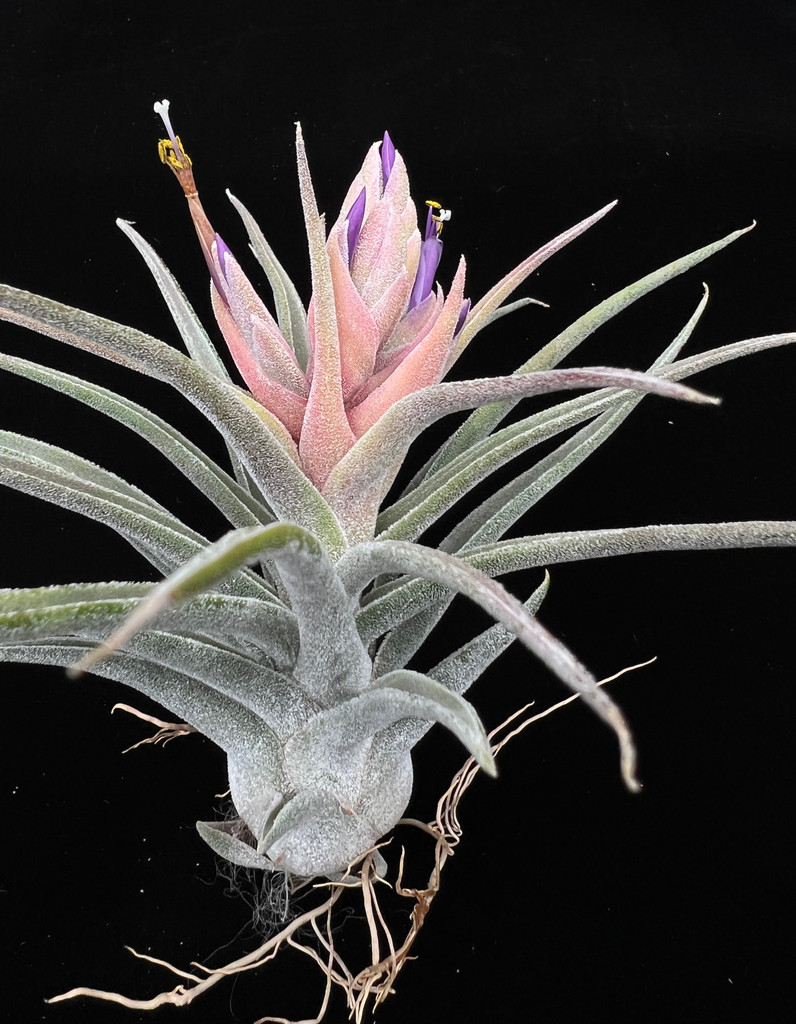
(430, 255)
(354, 218)
(222, 251)
(432, 226)
(387, 157)
(462, 316)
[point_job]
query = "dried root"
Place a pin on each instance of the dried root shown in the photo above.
(166, 730)
(371, 985)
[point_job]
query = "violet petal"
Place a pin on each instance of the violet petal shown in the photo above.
(462, 316)
(354, 218)
(222, 251)
(432, 229)
(387, 157)
(430, 255)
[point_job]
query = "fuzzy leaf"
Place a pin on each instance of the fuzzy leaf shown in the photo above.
(199, 346)
(261, 443)
(398, 601)
(58, 476)
(361, 564)
(499, 512)
(402, 643)
(483, 421)
(290, 312)
(461, 669)
(218, 836)
(332, 661)
(324, 747)
(222, 719)
(91, 609)
(314, 834)
(464, 666)
(438, 491)
(357, 485)
(483, 311)
(552, 548)
(225, 493)
(273, 697)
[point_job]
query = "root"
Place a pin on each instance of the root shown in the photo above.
(182, 995)
(166, 730)
(371, 985)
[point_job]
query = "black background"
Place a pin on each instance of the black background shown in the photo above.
(568, 899)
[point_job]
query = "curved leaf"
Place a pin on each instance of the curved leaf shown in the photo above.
(401, 599)
(332, 662)
(91, 609)
(552, 548)
(499, 512)
(272, 696)
(290, 313)
(258, 438)
(460, 670)
(225, 493)
(200, 348)
(483, 421)
(363, 563)
(65, 479)
(357, 485)
(219, 837)
(438, 491)
(222, 719)
(484, 310)
(323, 747)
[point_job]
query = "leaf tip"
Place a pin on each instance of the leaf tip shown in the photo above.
(628, 762)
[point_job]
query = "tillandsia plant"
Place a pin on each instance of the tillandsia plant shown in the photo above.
(287, 641)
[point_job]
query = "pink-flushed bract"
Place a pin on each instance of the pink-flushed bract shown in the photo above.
(378, 327)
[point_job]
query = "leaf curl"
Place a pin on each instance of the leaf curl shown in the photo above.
(363, 563)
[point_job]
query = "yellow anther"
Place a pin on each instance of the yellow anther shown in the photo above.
(176, 159)
(438, 215)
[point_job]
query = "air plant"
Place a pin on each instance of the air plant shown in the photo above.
(287, 641)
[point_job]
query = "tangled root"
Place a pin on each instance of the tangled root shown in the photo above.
(370, 985)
